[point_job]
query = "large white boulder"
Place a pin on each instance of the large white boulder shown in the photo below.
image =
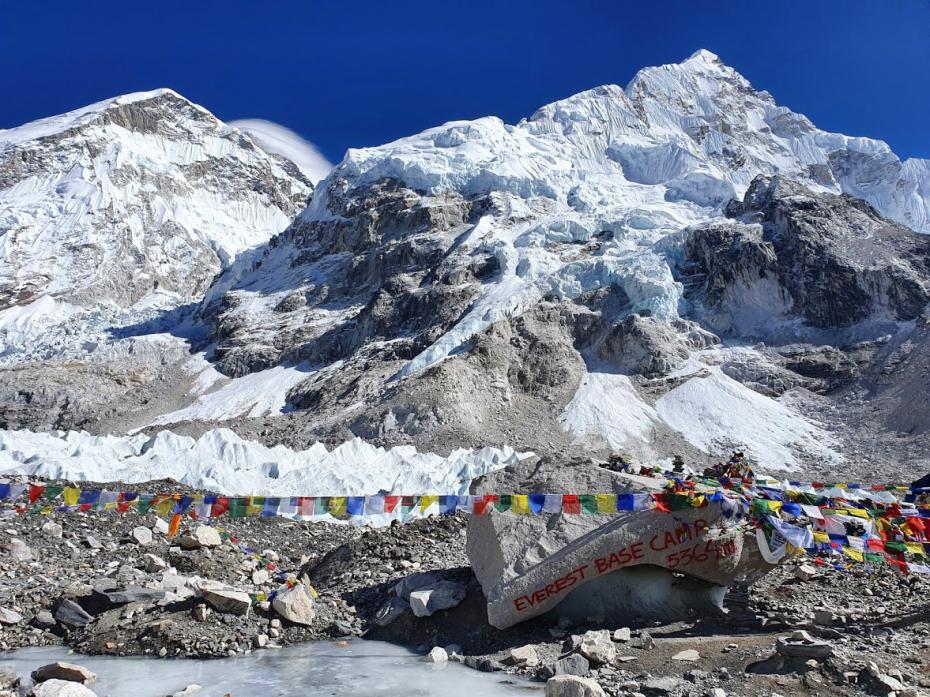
(573, 686)
(295, 605)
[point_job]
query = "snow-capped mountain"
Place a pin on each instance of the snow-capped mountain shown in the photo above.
(678, 266)
(141, 193)
(484, 279)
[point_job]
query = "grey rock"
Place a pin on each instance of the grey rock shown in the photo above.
(687, 655)
(573, 686)
(597, 647)
(295, 605)
(70, 613)
(442, 596)
(61, 688)
(522, 656)
(662, 686)
(622, 635)
(225, 599)
(52, 530)
(200, 536)
(64, 671)
(141, 535)
(20, 551)
(570, 665)
(9, 617)
(436, 655)
(390, 611)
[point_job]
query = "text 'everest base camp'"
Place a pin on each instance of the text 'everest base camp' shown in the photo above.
(632, 396)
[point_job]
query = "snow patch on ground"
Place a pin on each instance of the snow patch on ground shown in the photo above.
(222, 462)
(607, 405)
(258, 394)
(716, 412)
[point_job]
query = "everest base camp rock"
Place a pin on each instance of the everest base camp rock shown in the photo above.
(616, 566)
(573, 686)
(295, 605)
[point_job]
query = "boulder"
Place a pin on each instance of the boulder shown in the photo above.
(661, 686)
(574, 664)
(191, 689)
(20, 551)
(295, 605)
(528, 565)
(390, 611)
(805, 572)
(70, 613)
(523, 656)
(436, 655)
(141, 535)
(442, 596)
(622, 635)
(223, 598)
(61, 688)
(200, 536)
(63, 671)
(9, 617)
(154, 563)
(572, 686)
(597, 647)
(52, 530)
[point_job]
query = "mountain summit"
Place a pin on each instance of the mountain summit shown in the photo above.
(145, 192)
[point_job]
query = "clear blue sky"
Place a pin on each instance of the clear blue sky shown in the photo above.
(344, 73)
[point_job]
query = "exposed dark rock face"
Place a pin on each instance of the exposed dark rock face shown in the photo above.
(833, 260)
(382, 265)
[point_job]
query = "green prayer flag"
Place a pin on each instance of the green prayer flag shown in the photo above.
(588, 503)
(503, 503)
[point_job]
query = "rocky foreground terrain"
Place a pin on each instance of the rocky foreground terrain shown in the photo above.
(105, 583)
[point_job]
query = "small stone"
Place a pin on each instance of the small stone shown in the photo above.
(52, 530)
(260, 641)
(436, 655)
(154, 563)
(523, 656)
(43, 620)
(646, 641)
(442, 596)
(200, 613)
(201, 536)
(661, 686)
(260, 577)
(686, 655)
(141, 535)
(622, 634)
(63, 671)
(716, 692)
(92, 542)
(572, 686)
(805, 572)
(9, 617)
(161, 526)
(189, 690)
(20, 551)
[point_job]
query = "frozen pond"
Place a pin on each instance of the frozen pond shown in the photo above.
(363, 669)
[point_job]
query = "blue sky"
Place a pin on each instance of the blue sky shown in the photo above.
(344, 73)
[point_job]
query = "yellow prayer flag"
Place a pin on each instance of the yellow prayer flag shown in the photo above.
(857, 512)
(337, 505)
(164, 507)
(253, 507)
(854, 554)
(520, 504)
(426, 501)
(821, 537)
(914, 547)
(71, 495)
(606, 503)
